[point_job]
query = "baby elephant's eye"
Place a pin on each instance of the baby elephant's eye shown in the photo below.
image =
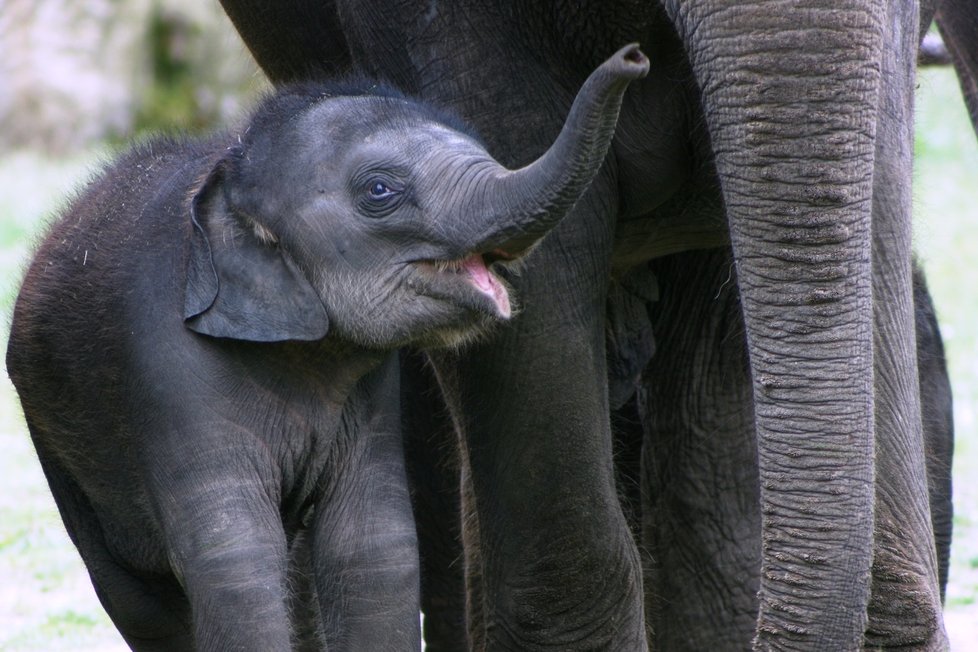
(379, 190)
(380, 197)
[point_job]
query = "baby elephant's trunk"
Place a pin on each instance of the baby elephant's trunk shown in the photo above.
(521, 206)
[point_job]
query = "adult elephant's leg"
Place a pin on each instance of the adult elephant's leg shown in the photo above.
(936, 406)
(790, 99)
(300, 39)
(701, 517)
(905, 609)
(433, 470)
(959, 29)
(559, 567)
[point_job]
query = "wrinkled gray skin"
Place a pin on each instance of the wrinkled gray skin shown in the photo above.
(780, 133)
(200, 343)
(957, 21)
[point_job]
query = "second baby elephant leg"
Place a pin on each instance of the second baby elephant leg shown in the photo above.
(364, 542)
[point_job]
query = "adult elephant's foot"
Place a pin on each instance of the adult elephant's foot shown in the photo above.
(905, 608)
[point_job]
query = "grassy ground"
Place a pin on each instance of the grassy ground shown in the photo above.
(46, 600)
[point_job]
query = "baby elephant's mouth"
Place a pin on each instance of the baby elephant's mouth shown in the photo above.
(475, 272)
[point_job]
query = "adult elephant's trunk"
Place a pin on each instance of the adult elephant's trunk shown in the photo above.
(524, 204)
(791, 95)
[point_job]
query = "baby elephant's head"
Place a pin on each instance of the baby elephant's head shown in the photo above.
(369, 216)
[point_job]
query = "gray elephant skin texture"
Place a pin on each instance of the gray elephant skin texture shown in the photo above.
(202, 347)
(784, 500)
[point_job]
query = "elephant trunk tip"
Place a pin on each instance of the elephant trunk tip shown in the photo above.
(629, 62)
(527, 203)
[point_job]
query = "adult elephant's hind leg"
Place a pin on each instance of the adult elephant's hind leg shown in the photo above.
(904, 608)
(936, 407)
(701, 516)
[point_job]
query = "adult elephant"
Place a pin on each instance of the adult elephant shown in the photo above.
(782, 129)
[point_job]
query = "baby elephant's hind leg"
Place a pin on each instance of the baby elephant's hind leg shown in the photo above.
(150, 611)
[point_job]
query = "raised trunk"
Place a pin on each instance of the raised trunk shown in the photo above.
(790, 92)
(526, 203)
(554, 566)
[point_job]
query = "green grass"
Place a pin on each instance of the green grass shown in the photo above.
(62, 630)
(46, 600)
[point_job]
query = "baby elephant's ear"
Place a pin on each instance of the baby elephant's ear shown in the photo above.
(241, 285)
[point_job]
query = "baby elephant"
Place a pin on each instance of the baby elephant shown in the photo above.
(201, 349)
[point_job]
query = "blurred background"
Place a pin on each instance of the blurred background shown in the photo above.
(78, 80)
(73, 74)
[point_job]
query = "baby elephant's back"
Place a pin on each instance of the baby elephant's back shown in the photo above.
(111, 261)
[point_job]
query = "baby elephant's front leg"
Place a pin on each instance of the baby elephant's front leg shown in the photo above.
(228, 549)
(365, 547)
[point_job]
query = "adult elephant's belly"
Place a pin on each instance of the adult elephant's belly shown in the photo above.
(668, 195)
(689, 221)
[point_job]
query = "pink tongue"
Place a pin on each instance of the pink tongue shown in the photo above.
(483, 281)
